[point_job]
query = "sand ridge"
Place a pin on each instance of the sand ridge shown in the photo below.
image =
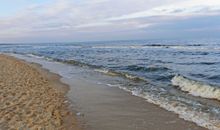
(29, 100)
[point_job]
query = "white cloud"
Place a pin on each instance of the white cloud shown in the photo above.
(188, 7)
(71, 17)
(93, 25)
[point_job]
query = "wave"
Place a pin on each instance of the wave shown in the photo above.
(148, 46)
(199, 63)
(72, 62)
(209, 63)
(120, 74)
(35, 56)
(217, 77)
(101, 69)
(171, 45)
(196, 88)
(202, 119)
(146, 69)
(96, 68)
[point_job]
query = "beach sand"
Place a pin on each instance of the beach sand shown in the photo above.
(32, 98)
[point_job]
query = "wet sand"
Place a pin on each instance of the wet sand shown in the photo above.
(108, 108)
(32, 98)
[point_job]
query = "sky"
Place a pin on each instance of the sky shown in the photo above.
(95, 20)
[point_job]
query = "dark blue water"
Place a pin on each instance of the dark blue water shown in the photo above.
(182, 76)
(156, 60)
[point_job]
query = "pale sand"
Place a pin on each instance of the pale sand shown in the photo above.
(31, 98)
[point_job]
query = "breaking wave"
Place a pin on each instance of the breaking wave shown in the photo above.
(196, 88)
(200, 118)
(120, 74)
(180, 46)
(146, 69)
(96, 68)
(184, 111)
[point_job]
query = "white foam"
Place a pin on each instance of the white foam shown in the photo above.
(39, 57)
(109, 47)
(35, 56)
(130, 76)
(113, 85)
(200, 118)
(105, 71)
(196, 88)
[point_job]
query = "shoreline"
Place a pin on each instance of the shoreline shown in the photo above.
(71, 121)
(60, 114)
(108, 107)
(104, 107)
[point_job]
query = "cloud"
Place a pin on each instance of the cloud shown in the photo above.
(185, 8)
(67, 18)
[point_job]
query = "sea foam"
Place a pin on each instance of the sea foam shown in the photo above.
(196, 88)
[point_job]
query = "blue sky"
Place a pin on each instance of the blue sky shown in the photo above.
(85, 20)
(10, 7)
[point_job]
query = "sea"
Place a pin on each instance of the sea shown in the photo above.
(181, 76)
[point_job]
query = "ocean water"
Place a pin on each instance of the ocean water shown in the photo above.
(182, 76)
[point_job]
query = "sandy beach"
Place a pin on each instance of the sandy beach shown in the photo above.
(32, 98)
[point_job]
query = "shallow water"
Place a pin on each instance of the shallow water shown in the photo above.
(182, 76)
